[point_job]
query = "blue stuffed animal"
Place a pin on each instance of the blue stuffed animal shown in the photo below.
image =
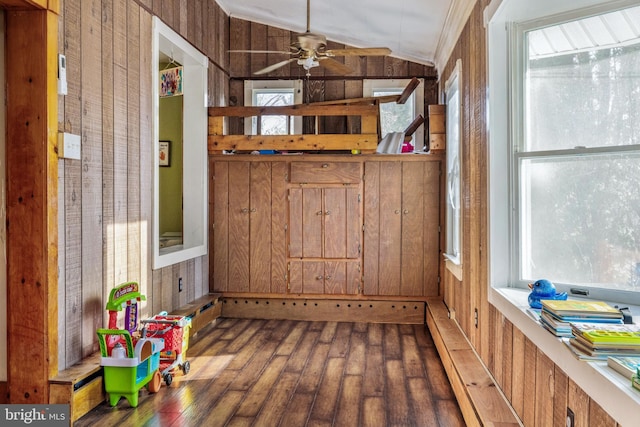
(543, 289)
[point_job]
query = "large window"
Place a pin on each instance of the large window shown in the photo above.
(573, 162)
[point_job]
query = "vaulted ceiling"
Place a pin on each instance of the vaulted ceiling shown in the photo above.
(415, 30)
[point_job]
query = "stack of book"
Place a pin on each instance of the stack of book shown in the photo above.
(625, 365)
(600, 341)
(558, 315)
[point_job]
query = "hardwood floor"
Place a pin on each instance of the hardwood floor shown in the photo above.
(293, 373)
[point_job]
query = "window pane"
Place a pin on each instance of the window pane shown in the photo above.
(586, 97)
(274, 125)
(580, 220)
(395, 117)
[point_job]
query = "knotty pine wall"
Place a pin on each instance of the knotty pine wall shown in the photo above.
(105, 199)
(537, 388)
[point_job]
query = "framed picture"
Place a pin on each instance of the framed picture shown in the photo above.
(165, 153)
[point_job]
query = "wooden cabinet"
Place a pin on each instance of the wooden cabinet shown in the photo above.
(401, 228)
(325, 227)
(249, 226)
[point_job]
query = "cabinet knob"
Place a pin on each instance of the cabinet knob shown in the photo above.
(406, 211)
(327, 278)
(319, 278)
(319, 213)
(325, 165)
(253, 209)
(327, 212)
(244, 210)
(396, 211)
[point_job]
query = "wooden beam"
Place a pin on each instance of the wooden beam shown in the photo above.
(32, 210)
(364, 142)
(296, 110)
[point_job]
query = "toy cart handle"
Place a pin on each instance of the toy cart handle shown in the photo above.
(102, 333)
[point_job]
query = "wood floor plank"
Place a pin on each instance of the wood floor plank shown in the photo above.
(260, 391)
(312, 374)
(373, 412)
(348, 413)
(324, 405)
(357, 351)
(392, 348)
(411, 360)
(275, 406)
(282, 373)
(397, 400)
(422, 402)
(297, 411)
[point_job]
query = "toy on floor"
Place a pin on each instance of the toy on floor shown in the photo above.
(129, 362)
(543, 289)
(175, 332)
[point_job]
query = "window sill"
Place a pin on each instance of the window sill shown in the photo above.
(611, 390)
(453, 267)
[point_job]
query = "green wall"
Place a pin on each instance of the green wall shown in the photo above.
(170, 189)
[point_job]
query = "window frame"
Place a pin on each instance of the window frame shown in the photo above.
(371, 85)
(251, 86)
(453, 240)
(506, 127)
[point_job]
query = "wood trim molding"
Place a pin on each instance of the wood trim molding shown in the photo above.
(32, 214)
(454, 23)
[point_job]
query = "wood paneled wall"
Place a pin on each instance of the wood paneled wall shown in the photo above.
(105, 199)
(538, 389)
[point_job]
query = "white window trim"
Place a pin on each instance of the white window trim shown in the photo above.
(195, 179)
(453, 261)
(369, 85)
(251, 85)
(610, 390)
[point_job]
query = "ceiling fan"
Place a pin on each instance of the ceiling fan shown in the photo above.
(310, 50)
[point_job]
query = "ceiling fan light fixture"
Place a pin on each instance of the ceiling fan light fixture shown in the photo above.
(308, 63)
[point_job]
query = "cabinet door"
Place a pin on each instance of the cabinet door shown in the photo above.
(401, 238)
(239, 192)
(390, 227)
(324, 277)
(324, 223)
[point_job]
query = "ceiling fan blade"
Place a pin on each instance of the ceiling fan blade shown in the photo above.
(275, 66)
(359, 51)
(334, 66)
(285, 52)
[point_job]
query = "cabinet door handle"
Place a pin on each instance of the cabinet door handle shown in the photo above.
(319, 278)
(244, 210)
(406, 211)
(253, 209)
(324, 165)
(327, 212)
(319, 213)
(396, 211)
(327, 278)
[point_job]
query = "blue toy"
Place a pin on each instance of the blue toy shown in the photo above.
(543, 289)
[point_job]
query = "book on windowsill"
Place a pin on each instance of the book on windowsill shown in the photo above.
(608, 335)
(625, 365)
(572, 310)
(584, 350)
(635, 382)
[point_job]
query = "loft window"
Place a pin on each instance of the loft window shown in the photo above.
(273, 93)
(397, 117)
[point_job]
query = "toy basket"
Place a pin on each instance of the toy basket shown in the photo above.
(174, 330)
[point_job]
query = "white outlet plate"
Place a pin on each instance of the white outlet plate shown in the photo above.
(69, 146)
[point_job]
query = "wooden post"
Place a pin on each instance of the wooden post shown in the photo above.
(32, 208)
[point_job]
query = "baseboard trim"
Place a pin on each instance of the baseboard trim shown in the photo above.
(338, 310)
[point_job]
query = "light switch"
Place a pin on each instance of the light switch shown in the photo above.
(69, 146)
